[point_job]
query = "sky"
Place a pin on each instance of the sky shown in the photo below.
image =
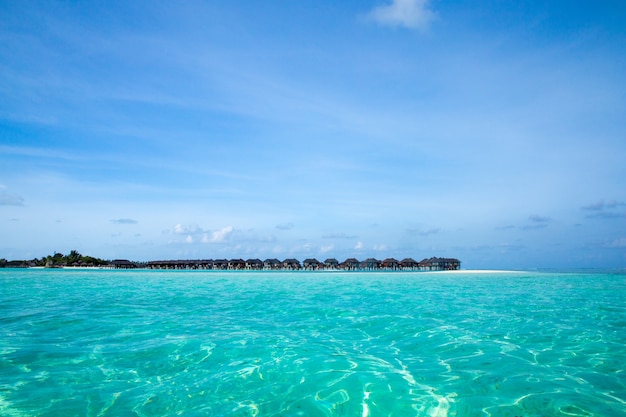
(489, 131)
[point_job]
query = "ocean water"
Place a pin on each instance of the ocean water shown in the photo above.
(150, 343)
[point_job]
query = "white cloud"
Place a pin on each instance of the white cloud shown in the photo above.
(179, 229)
(325, 249)
(359, 245)
(220, 235)
(412, 14)
(194, 233)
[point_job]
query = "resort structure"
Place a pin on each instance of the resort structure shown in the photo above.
(309, 264)
(75, 260)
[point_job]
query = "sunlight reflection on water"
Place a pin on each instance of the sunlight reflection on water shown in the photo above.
(161, 343)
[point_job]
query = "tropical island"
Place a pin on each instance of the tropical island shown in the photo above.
(58, 260)
(75, 260)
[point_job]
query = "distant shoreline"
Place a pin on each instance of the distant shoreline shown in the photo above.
(457, 272)
(76, 260)
(143, 268)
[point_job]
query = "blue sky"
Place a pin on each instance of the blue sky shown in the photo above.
(490, 131)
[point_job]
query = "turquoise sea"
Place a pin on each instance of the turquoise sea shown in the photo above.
(154, 343)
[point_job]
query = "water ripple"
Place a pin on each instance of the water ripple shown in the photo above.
(111, 343)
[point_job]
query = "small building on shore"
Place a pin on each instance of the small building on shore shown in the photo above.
(123, 264)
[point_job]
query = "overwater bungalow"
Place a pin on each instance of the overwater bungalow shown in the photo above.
(408, 264)
(291, 264)
(439, 264)
(331, 263)
(390, 263)
(350, 264)
(311, 264)
(272, 264)
(236, 264)
(370, 264)
(254, 264)
(220, 264)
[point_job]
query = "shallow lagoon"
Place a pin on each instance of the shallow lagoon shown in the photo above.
(150, 343)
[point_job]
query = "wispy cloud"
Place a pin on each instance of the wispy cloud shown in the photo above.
(411, 14)
(426, 232)
(38, 152)
(326, 249)
(605, 210)
(507, 227)
(534, 226)
(10, 199)
(194, 233)
(536, 222)
(617, 243)
(498, 248)
(535, 218)
(601, 205)
(607, 215)
(285, 226)
(124, 221)
(338, 236)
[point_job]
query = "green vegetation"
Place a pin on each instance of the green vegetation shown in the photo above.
(57, 260)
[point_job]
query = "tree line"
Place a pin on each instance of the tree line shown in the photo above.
(57, 260)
